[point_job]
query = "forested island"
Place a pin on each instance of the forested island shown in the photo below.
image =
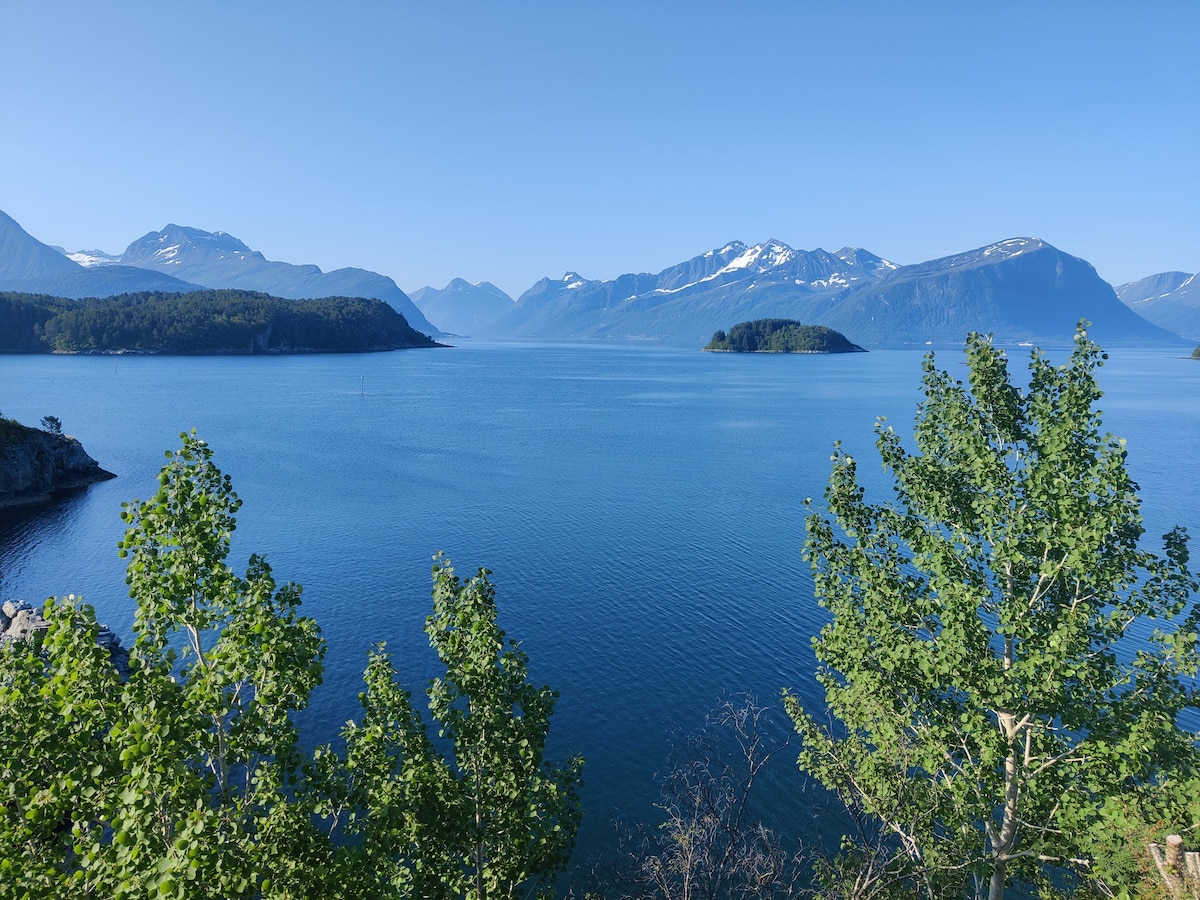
(202, 322)
(780, 336)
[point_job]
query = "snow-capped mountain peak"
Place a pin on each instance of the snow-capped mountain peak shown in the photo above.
(992, 253)
(731, 247)
(865, 260)
(761, 257)
(1010, 248)
(174, 243)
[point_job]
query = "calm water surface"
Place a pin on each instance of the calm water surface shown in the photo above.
(642, 510)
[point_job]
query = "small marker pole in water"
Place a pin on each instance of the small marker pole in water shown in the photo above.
(360, 385)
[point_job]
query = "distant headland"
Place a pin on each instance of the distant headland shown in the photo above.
(37, 465)
(202, 322)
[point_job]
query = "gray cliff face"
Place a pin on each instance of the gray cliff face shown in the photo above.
(35, 465)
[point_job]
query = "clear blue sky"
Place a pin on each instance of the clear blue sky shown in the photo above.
(507, 141)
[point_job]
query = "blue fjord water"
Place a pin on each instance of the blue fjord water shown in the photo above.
(641, 507)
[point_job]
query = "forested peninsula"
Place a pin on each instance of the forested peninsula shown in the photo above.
(781, 336)
(202, 322)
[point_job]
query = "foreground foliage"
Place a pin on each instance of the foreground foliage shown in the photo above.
(992, 718)
(185, 777)
(479, 812)
(175, 780)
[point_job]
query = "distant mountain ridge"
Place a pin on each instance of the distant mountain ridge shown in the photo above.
(179, 259)
(1170, 300)
(462, 308)
(26, 264)
(216, 259)
(689, 301)
(1020, 289)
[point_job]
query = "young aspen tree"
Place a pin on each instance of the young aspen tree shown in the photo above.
(176, 778)
(478, 812)
(990, 708)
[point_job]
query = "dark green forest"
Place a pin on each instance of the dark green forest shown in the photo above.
(211, 321)
(781, 336)
(22, 318)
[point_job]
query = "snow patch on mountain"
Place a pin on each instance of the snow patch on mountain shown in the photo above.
(88, 258)
(1010, 248)
(731, 247)
(771, 259)
(837, 279)
(764, 256)
(167, 255)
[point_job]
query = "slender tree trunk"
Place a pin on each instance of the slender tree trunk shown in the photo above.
(996, 886)
(480, 886)
(1008, 826)
(1008, 725)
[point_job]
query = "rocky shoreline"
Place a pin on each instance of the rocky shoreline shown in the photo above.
(20, 621)
(36, 466)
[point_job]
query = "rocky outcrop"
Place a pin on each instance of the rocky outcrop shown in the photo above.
(19, 621)
(36, 465)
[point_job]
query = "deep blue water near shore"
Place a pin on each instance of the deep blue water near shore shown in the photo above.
(642, 509)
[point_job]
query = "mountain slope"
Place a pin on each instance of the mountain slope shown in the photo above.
(24, 258)
(102, 281)
(461, 307)
(1021, 289)
(1170, 300)
(219, 260)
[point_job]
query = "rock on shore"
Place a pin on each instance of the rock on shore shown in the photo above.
(36, 465)
(19, 621)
